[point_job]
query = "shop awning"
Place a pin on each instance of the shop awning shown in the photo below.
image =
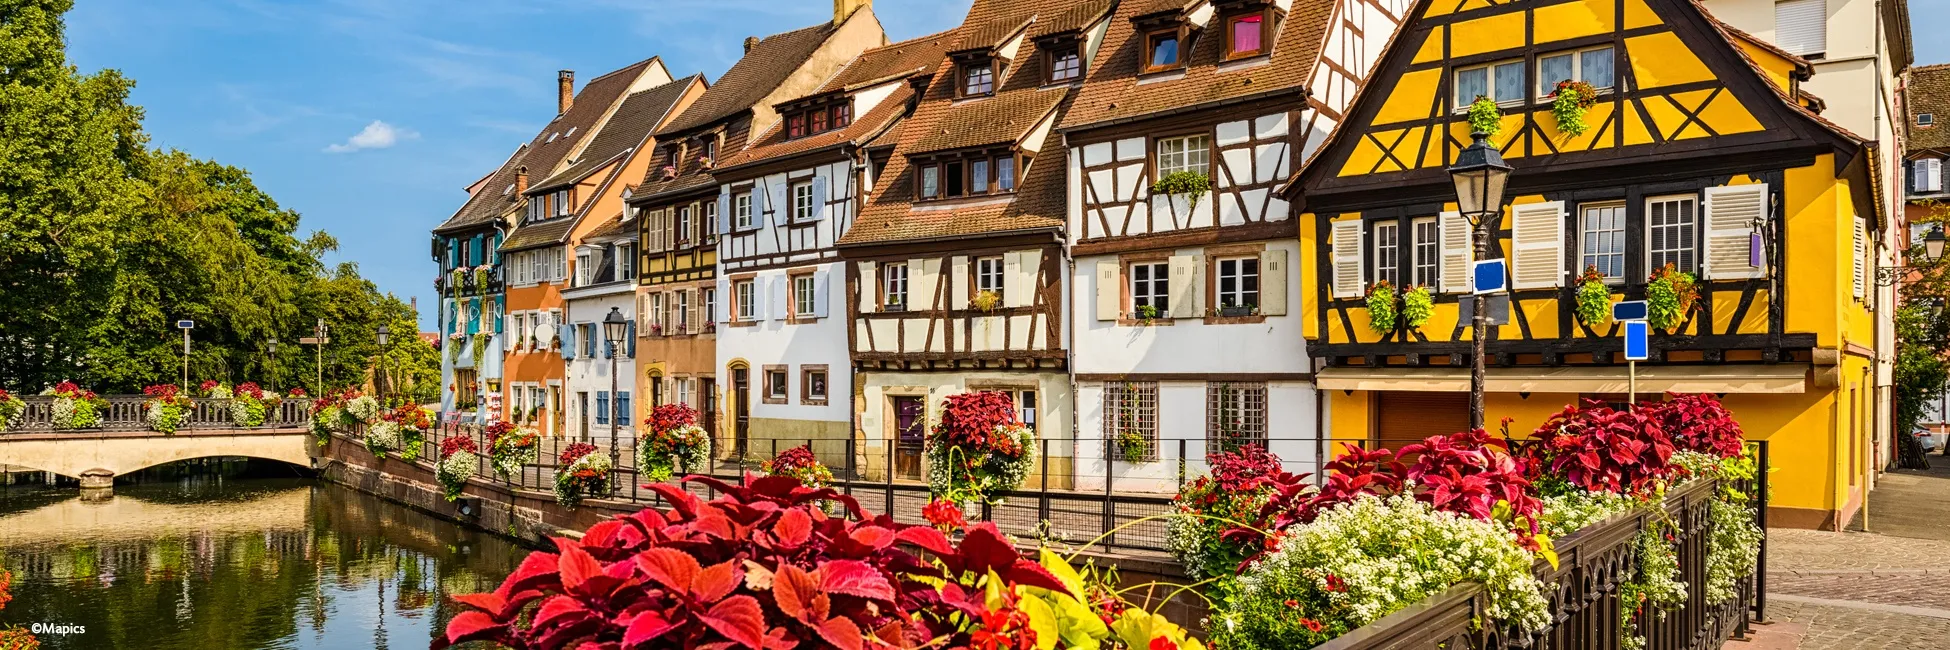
(1775, 378)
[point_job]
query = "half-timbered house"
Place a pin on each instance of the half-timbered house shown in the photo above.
(783, 202)
(1698, 156)
(955, 268)
(1183, 248)
(679, 203)
(470, 284)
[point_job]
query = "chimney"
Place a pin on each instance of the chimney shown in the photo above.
(750, 42)
(566, 82)
(521, 180)
(843, 9)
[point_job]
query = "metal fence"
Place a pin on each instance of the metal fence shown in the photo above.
(130, 413)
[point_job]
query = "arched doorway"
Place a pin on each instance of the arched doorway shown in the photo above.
(740, 408)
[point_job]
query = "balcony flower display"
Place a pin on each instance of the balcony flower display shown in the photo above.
(673, 443)
(250, 405)
(584, 473)
(75, 407)
(979, 449)
(512, 447)
(457, 464)
(11, 406)
(166, 408)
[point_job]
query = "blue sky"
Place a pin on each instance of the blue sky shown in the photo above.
(291, 90)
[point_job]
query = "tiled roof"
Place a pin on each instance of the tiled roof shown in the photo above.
(754, 76)
(616, 226)
(1039, 202)
(906, 58)
(1111, 90)
(774, 144)
(691, 174)
(992, 34)
(1073, 19)
(535, 235)
(625, 130)
(1929, 92)
(886, 64)
(495, 197)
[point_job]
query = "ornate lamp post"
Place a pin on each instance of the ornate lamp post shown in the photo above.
(378, 377)
(615, 327)
(1933, 241)
(271, 347)
(1479, 175)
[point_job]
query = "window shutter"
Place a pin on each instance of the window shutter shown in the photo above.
(1185, 286)
(568, 335)
(757, 207)
(1110, 292)
(724, 214)
(820, 206)
(821, 283)
(696, 317)
(1018, 279)
(779, 202)
(1272, 282)
(1347, 258)
(781, 297)
(869, 292)
(500, 308)
(670, 227)
(1537, 238)
(922, 274)
(1730, 215)
(1933, 175)
(1801, 26)
(759, 285)
(1918, 170)
(596, 331)
(653, 228)
(629, 347)
(1458, 246)
(1861, 256)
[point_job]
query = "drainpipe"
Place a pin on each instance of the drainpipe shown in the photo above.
(1070, 340)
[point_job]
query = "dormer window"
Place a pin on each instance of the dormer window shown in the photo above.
(795, 126)
(1925, 119)
(978, 78)
(819, 119)
(1065, 63)
(967, 174)
(1248, 35)
(1162, 50)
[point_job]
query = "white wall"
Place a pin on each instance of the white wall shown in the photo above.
(592, 375)
(1181, 416)
(1187, 344)
(774, 341)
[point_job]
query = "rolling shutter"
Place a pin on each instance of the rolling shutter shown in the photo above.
(869, 289)
(1109, 291)
(1801, 26)
(1730, 216)
(1186, 286)
(1458, 249)
(1272, 283)
(1347, 258)
(1405, 417)
(1537, 243)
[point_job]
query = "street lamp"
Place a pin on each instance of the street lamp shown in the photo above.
(272, 348)
(1480, 175)
(615, 327)
(384, 334)
(1933, 242)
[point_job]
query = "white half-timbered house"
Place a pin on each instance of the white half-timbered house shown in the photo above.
(1184, 253)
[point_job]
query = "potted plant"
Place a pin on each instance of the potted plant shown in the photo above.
(1132, 447)
(11, 406)
(250, 405)
(1593, 298)
(985, 301)
(457, 464)
(1569, 101)
(1383, 307)
(669, 172)
(511, 447)
(74, 407)
(978, 449)
(1145, 314)
(167, 408)
(1194, 185)
(800, 464)
(1231, 310)
(584, 473)
(1417, 307)
(673, 443)
(1670, 295)
(1485, 117)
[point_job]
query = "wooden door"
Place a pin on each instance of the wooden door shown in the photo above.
(707, 403)
(741, 388)
(910, 425)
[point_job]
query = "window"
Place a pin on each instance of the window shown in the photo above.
(1151, 287)
(775, 384)
(1428, 252)
(978, 177)
(1502, 82)
(930, 182)
(893, 286)
(1131, 407)
(562, 203)
(988, 276)
(683, 312)
(1387, 253)
(707, 147)
(977, 79)
(956, 184)
(1162, 49)
(818, 119)
(842, 114)
(625, 262)
(1235, 415)
(1245, 36)
(741, 211)
(812, 384)
(658, 314)
(1670, 229)
(710, 221)
(1005, 173)
(710, 298)
(805, 296)
(795, 126)
(1239, 282)
(684, 225)
(1925, 119)
(1593, 66)
(747, 302)
(1601, 239)
(1185, 154)
(1927, 175)
(802, 202)
(973, 175)
(1801, 26)
(1065, 64)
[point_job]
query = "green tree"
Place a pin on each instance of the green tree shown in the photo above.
(1922, 333)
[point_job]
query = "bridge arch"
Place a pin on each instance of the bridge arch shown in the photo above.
(110, 456)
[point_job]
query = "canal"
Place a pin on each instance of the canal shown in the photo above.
(235, 554)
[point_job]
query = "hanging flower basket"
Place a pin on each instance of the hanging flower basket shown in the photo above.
(1670, 296)
(511, 447)
(978, 450)
(457, 464)
(801, 464)
(11, 406)
(76, 408)
(673, 444)
(584, 473)
(1485, 116)
(166, 409)
(250, 405)
(1593, 298)
(1417, 307)
(1569, 101)
(1384, 307)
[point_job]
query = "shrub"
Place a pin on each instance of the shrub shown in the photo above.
(978, 449)
(1599, 448)
(1229, 498)
(1473, 474)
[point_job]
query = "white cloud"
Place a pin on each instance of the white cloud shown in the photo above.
(377, 135)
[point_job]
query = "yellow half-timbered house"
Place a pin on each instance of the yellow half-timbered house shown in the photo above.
(1699, 152)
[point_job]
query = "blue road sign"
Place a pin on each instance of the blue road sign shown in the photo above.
(1636, 343)
(1628, 310)
(185, 324)
(1487, 276)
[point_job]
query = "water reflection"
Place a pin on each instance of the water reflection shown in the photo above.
(215, 561)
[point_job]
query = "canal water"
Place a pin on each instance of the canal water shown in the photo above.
(213, 555)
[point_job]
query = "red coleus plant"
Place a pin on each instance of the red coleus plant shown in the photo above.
(495, 430)
(164, 392)
(969, 420)
(671, 416)
(333, 398)
(249, 389)
(1470, 473)
(410, 416)
(452, 444)
(1698, 422)
(1599, 448)
(69, 390)
(576, 450)
(760, 567)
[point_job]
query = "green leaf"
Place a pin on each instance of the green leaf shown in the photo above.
(1042, 619)
(1064, 573)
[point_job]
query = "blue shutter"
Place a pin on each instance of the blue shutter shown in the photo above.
(623, 412)
(724, 214)
(478, 256)
(819, 198)
(609, 349)
(453, 253)
(568, 335)
(494, 248)
(473, 316)
(500, 308)
(630, 351)
(602, 407)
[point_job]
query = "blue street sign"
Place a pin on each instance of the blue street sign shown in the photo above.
(1636, 343)
(1628, 310)
(1487, 276)
(185, 324)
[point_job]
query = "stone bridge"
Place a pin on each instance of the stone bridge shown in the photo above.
(122, 442)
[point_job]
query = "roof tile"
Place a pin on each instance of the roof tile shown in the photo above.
(1929, 92)
(626, 130)
(756, 74)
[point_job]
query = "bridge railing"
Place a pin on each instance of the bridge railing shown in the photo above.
(131, 413)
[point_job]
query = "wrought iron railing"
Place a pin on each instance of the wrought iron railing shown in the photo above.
(131, 413)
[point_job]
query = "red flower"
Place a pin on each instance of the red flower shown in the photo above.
(1311, 625)
(944, 514)
(1335, 584)
(1162, 643)
(1292, 603)
(576, 450)
(457, 443)
(208, 385)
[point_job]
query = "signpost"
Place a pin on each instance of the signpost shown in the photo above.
(1487, 276)
(1638, 343)
(186, 325)
(321, 336)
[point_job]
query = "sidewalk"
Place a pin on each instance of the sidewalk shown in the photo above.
(1888, 588)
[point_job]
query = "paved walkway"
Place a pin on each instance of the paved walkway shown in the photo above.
(1884, 589)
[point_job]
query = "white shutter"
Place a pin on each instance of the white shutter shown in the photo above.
(1019, 278)
(960, 282)
(1272, 282)
(781, 297)
(1458, 247)
(922, 275)
(722, 308)
(724, 214)
(1537, 243)
(1801, 26)
(1861, 256)
(1932, 180)
(1347, 258)
(1186, 286)
(1109, 291)
(822, 281)
(655, 226)
(779, 202)
(1730, 215)
(820, 205)
(869, 293)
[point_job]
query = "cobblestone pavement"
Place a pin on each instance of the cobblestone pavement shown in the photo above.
(1854, 591)
(1808, 626)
